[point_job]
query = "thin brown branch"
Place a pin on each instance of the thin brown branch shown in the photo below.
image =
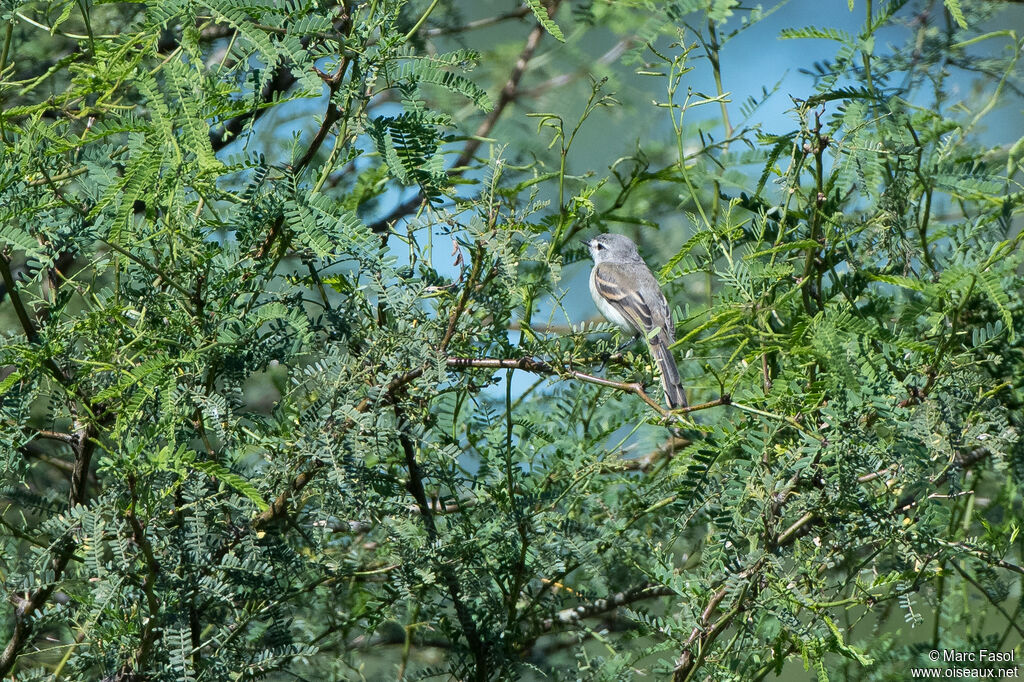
(437, 507)
(666, 450)
(19, 307)
(281, 80)
(981, 554)
(279, 507)
(685, 672)
(564, 79)
(571, 616)
(541, 367)
(705, 632)
(82, 442)
(460, 307)
(478, 23)
(969, 578)
(877, 474)
(331, 116)
(150, 631)
(508, 93)
(30, 452)
(67, 438)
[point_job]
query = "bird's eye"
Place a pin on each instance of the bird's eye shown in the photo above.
(600, 246)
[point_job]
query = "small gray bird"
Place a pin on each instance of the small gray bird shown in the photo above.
(627, 294)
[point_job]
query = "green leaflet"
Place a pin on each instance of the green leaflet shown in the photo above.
(239, 484)
(541, 14)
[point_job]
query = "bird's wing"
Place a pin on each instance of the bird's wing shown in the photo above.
(619, 284)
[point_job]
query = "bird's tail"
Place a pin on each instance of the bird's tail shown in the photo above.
(675, 395)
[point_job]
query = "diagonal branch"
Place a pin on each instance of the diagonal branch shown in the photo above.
(575, 614)
(150, 630)
(281, 80)
(478, 23)
(82, 442)
(706, 632)
(331, 116)
(508, 93)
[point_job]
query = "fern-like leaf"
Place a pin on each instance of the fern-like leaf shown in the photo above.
(549, 25)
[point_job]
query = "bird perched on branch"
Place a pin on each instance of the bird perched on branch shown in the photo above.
(627, 294)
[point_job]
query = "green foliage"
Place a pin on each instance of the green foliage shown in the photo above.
(296, 379)
(540, 12)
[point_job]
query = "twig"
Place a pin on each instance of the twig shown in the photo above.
(666, 450)
(453, 318)
(478, 23)
(575, 614)
(57, 463)
(541, 367)
(150, 631)
(779, 417)
(980, 554)
(702, 635)
(68, 438)
(280, 82)
(19, 307)
(508, 93)
(279, 507)
(563, 79)
(331, 116)
(969, 578)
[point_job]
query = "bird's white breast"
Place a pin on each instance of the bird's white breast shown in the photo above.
(606, 308)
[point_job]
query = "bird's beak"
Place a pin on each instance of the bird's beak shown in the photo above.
(586, 242)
